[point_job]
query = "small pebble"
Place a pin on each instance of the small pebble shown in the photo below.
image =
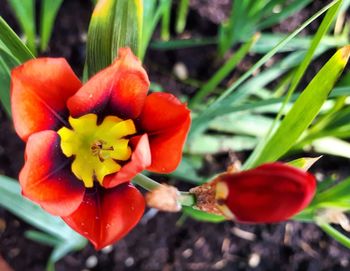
(344, 262)
(180, 71)
(91, 262)
(129, 261)
(187, 253)
(200, 242)
(254, 260)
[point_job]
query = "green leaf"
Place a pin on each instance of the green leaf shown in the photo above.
(322, 30)
(332, 146)
(12, 200)
(56, 232)
(42, 238)
(238, 26)
(268, 40)
(304, 163)
(199, 123)
(202, 216)
(114, 24)
(151, 16)
(225, 69)
(49, 9)
(243, 123)
(7, 62)
(288, 10)
(187, 170)
(182, 11)
(182, 43)
(304, 110)
(264, 106)
(165, 27)
(25, 14)
(213, 144)
(13, 43)
(337, 193)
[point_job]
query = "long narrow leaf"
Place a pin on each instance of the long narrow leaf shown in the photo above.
(12, 200)
(304, 110)
(114, 24)
(7, 62)
(322, 30)
(49, 9)
(13, 43)
(199, 123)
(25, 13)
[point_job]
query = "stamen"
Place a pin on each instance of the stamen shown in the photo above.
(97, 147)
(88, 140)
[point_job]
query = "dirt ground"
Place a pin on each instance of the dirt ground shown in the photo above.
(162, 241)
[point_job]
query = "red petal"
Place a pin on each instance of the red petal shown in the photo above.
(270, 193)
(107, 215)
(140, 160)
(119, 90)
(39, 91)
(167, 122)
(46, 177)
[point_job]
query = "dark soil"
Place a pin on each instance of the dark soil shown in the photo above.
(161, 241)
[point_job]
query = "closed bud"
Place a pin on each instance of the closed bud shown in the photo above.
(269, 193)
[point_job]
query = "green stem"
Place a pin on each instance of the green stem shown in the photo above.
(146, 182)
(186, 198)
(338, 236)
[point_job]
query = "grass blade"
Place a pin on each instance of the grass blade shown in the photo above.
(25, 14)
(7, 62)
(12, 200)
(304, 110)
(200, 122)
(165, 27)
(13, 43)
(287, 11)
(49, 9)
(322, 30)
(181, 18)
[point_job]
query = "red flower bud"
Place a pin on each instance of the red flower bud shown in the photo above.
(269, 193)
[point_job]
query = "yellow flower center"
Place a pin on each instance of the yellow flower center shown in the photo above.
(96, 148)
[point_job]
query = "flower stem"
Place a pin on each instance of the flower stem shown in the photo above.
(146, 182)
(186, 198)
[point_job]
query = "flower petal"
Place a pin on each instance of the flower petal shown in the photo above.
(270, 193)
(46, 177)
(140, 160)
(167, 122)
(107, 215)
(39, 91)
(162, 112)
(119, 89)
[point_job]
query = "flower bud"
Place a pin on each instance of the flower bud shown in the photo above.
(269, 193)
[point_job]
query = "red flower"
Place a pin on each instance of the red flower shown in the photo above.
(86, 142)
(269, 193)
